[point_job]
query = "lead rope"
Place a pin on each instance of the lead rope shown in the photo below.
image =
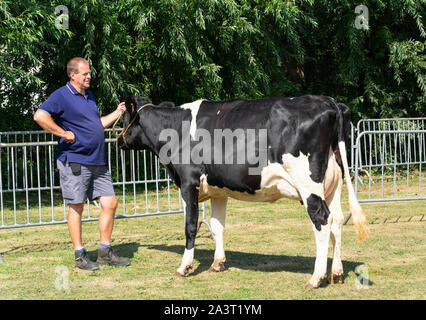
(115, 123)
(124, 131)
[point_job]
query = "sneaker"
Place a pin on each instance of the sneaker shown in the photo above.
(107, 256)
(83, 262)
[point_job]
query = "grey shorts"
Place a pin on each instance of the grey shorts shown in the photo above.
(84, 181)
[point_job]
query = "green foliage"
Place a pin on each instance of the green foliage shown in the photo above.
(215, 49)
(28, 41)
(379, 72)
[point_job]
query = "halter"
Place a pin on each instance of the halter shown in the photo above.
(123, 133)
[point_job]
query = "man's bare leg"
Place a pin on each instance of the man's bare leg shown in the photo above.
(106, 217)
(74, 224)
(82, 261)
(106, 255)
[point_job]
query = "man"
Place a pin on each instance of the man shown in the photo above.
(71, 113)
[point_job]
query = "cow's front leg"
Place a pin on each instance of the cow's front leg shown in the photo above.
(218, 225)
(190, 196)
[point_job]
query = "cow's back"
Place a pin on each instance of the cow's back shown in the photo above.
(304, 124)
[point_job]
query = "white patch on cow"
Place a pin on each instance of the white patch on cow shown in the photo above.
(194, 107)
(279, 181)
(188, 258)
(333, 175)
(184, 212)
(298, 169)
(275, 184)
(268, 194)
(217, 223)
(333, 202)
(274, 177)
(321, 238)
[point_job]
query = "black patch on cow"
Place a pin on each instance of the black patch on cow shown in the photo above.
(317, 210)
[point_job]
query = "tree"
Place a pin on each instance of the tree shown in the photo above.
(27, 42)
(215, 49)
(379, 72)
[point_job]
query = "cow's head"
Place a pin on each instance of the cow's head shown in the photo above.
(132, 135)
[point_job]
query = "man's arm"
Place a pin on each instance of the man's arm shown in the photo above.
(46, 122)
(110, 118)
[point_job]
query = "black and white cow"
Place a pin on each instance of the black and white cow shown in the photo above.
(300, 154)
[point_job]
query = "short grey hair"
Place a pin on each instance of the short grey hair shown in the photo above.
(72, 65)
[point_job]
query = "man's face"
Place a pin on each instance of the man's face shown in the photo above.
(83, 77)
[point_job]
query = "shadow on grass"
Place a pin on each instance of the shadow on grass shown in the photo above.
(235, 259)
(256, 261)
(125, 249)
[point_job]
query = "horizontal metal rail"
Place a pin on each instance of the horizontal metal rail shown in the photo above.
(27, 159)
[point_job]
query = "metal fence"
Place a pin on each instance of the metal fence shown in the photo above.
(387, 157)
(390, 156)
(390, 124)
(30, 190)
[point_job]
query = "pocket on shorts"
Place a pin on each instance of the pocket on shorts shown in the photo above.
(75, 168)
(71, 185)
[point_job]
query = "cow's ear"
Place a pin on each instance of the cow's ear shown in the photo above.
(130, 105)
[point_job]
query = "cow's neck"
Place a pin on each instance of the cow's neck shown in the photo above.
(157, 122)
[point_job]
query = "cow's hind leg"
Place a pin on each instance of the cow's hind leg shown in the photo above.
(336, 232)
(309, 183)
(322, 237)
(217, 222)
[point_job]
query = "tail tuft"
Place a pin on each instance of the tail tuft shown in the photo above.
(362, 230)
(360, 222)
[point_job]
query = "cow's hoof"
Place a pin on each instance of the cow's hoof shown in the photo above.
(178, 275)
(314, 282)
(335, 279)
(310, 286)
(183, 273)
(217, 266)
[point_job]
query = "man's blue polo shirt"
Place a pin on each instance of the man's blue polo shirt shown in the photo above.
(73, 112)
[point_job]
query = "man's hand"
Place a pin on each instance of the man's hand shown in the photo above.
(69, 137)
(121, 108)
(110, 118)
(46, 122)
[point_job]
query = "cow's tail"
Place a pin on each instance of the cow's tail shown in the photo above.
(360, 221)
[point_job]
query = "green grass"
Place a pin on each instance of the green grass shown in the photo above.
(270, 252)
